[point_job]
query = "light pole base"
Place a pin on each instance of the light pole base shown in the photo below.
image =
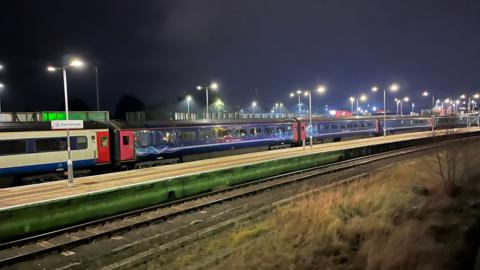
(70, 172)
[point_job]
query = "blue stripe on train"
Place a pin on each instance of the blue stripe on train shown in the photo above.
(171, 152)
(45, 168)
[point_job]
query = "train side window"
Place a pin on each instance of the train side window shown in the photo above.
(207, 133)
(349, 125)
(82, 143)
(51, 144)
(187, 135)
(253, 132)
(268, 131)
(334, 126)
(13, 147)
(243, 132)
(126, 140)
(143, 138)
(104, 141)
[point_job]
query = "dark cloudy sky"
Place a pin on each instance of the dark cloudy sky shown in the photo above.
(158, 50)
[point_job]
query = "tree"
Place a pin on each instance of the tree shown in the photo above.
(128, 103)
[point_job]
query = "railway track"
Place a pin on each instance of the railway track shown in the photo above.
(66, 238)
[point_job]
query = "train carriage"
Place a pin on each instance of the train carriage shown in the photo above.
(35, 152)
(157, 143)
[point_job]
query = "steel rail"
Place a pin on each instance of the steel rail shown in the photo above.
(274, 182)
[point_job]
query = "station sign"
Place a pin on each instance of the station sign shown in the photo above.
(64, 124)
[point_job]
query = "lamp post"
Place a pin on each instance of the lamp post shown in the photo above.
(362, 97)
(298, 93)
(426, 94)
(2, 86)
(213, 86)
(397, 102)
(406, 100)
(75, 63)
(96, 84)
(394, 88)
(321, 90)
(352, 99)
(474, 102)
(254, 104)
(189, 98)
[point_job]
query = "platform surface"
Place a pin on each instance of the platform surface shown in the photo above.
(31, 194)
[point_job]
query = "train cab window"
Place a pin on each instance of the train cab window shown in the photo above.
(126, 140)
(51, 144)
(104, 141)
(13, 147)
(82, 143)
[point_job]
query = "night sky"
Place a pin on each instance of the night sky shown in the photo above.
(160, 50)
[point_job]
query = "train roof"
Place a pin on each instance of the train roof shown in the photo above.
(44, 126)
(202, 122)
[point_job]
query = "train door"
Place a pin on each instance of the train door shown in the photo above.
(103, 147)
(303, 131)
(299, 131)
(295, 132)
(127, 151)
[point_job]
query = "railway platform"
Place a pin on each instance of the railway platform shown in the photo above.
(33, 209)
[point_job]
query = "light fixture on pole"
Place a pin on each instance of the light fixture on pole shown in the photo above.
(254, 104)
(74, 63)
(213, 86)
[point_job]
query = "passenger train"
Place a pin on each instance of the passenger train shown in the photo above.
(34, 152)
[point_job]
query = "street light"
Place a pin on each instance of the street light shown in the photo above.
(426, 94)
(1, 67)
(75, 63)
(254, 104)
(321, 89)
(299, 93)
(189, 98)
(393, 88)
(352, 99)
(2, 86)
(213, 86)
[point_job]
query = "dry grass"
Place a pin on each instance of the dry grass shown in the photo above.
(377, 223)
